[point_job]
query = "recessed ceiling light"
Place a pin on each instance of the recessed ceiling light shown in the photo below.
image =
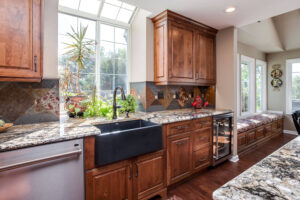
(230, 9)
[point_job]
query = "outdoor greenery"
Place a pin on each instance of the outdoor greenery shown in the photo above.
(258, 88)
(244, 87)
(296, 87)
(78, 55)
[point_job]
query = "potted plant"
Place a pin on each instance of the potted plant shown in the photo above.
(79, 52)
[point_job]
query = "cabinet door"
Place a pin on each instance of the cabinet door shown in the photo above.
(20, 55)
(242, 141)
(251, 137)
(179, 158)
(149, 174)
(268, 129)
(181, 53)
(205, 69)
(112, 182)
(260, 132)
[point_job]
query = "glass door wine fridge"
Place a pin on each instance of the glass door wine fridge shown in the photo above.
(222, 139)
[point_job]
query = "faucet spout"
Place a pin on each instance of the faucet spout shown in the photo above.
(123, 97)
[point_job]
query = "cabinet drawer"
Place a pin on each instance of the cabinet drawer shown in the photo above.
(203, 122)
(201, 158)
(201, 138)
(180, 127)
(268, 129)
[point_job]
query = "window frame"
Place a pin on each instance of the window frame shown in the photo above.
(264, 85)
(288, 87)
(252, 62)
(98, 22)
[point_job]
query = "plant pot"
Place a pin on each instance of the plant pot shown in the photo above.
(76, 102)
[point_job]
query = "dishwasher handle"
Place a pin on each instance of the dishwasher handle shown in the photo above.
(40, 160)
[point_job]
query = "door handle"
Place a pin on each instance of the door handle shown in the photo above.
(130, 173)
(35, 63)
(40, 160)
(137, 170)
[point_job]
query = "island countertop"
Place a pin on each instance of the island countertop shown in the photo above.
(275, 177)
(21, 136)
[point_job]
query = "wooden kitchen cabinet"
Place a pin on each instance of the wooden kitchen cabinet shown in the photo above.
(184, 51)
(20, 40)
(179, 160)
(149, 174)
(205, 59)
(138, 178)
(113, 182)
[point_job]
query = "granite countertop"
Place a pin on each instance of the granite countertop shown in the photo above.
(275, 177)
(21, 136)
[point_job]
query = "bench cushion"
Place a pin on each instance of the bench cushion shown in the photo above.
(256, 120)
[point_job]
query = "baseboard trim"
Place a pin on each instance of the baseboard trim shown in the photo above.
(234, 158)
(290, 132)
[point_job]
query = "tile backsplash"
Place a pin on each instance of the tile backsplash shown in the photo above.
(156, 98)
(24, 103)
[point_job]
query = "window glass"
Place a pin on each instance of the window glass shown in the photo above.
(124, 15)
(110, 11)
(295, 86)
(259, 82)
(67, 67)
(69, 3)
(245, 87)
(90, 6)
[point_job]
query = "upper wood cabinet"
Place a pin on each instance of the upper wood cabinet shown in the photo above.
(20, 40)
(184, 51)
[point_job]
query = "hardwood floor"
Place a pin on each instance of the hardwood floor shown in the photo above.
(202, 186)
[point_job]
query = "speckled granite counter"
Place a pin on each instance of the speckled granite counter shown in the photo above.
(275, 177)
(22, 136)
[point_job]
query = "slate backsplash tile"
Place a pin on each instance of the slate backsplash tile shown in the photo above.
(151, 97)
(23, 103)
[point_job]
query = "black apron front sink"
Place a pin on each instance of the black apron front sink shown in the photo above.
(122, 140)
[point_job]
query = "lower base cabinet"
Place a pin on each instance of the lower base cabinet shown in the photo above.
(252, 138)
(139, 178)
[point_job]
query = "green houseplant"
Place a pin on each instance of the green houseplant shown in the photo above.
(79, 52)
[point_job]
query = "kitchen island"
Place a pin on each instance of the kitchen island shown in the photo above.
(275, 177)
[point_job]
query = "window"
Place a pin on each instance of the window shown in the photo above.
(292, 85)
(108, 25)
(261, 75)
(252, 86)
(114, 11)
(245, 87)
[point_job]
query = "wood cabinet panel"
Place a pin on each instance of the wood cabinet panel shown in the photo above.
(179, 157)
(201, 158)
(268, 129)
(181, 53)
(260, 132)
(184, 51)
(20, 40)
(180, 127)
(205, 59)
(149, 174)
(202, 138)
(203, 123)
(251, 136)
(113, 183)
(242, 140)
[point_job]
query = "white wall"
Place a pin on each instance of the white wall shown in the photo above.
(277, 99)
(50, 39)
(226, 88)
(250, 51)
(142, 59)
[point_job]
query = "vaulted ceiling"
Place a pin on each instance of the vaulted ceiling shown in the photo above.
(279, 33)
(211, 12)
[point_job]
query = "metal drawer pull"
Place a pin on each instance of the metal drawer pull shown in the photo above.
(39, 160)
(180, 127)
(137, 170)
(130, 175)
(181, 143)
(204, 159)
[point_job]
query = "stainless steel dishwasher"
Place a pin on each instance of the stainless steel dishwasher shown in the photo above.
(47, 172)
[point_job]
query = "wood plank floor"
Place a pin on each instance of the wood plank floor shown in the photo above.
(203, 185)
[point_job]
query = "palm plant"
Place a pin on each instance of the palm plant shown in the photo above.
(79, 51)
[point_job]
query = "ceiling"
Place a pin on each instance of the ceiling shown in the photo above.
(279, 33)
(211, 12)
